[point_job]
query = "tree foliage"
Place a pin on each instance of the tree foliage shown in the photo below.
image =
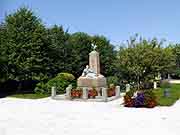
(176, 52)
(79, 47)
(26, 45)
(142, 60)
(31, 51)
(58, 49)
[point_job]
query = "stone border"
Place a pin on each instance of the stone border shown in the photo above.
(103, 98)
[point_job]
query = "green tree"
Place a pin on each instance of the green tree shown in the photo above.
(142, 60)
(176, 52)
(59, 50)
(3, 55)
(27, 45)
(79, 47)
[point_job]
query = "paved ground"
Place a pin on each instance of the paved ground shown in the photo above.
(51, 117)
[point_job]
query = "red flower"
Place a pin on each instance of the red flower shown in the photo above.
(76, 93)
(111, 92)
(92, 93)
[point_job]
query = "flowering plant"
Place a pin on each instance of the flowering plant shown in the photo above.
(92, 93)
(76, 93)
(111, 91)
(139, 99)
(128, 101)
(143, 98)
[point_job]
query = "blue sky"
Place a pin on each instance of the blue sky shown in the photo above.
(115, 19)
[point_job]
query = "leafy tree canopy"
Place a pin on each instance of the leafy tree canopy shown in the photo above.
(142, 60)
(26, 45)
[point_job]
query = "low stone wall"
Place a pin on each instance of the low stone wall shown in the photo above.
(103, 97)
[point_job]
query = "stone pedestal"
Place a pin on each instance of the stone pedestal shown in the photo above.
(91, 82)
(91, 77)
(97, 80)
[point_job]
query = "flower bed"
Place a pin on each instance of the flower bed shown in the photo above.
(76, 93)
(143, 98)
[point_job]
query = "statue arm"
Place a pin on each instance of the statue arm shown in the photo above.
(84, 72)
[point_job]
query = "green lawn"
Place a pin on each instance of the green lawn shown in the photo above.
(168, 101)
(30, 96)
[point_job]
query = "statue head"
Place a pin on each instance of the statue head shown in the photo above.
(87, 66)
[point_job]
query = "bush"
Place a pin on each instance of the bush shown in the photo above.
(41, 88)
(176, 74)
(144, 98)
(112, 80)
(150, 99)
(148, 85)
(61, 81)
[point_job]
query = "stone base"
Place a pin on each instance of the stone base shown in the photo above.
(91, 82)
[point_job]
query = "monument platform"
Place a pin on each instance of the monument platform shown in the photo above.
(91, 82)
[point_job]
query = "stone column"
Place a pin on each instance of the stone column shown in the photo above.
(98, 91)
(155, 85)
(104, 94)
(85, 93)
(53, 92)
(117, 91)
(94, 62)
(127, 87)
(169, 77)
(68, 92)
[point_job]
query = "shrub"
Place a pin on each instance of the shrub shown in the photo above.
(131, 92)
(41, 88)
(150, 99)
(176, 74)
(123, 87)
(112, 80)
(147, 85)
(61, 81)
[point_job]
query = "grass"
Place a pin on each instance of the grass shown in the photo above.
(30, 96)
(168, 101)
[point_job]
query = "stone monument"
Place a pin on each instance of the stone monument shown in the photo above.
(91, 76)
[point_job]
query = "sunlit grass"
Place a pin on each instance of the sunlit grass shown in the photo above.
(30, 96)
(168, 101)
